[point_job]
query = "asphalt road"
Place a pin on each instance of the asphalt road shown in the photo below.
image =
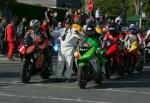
(128, 89)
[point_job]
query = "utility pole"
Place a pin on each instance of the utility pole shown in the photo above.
(141, 11)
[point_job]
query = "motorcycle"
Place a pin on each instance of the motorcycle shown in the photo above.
(134, 56)
(89, 62)
(34, 62)
(113, 54)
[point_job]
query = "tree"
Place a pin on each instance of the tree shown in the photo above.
(123, 10)
(137, 6)
(106, 6)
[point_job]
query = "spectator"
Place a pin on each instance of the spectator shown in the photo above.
(56, 34)
(22, 28)
(48, 16)
(68, 15)
(91, 21)
(10, 38)
(44, 27)
(54, 19)
(2, 35)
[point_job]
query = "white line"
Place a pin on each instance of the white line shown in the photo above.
(78, 100)
(53, 98)
(124, 91)
(109, 89)
(6, 86)
(8, 95)
(65, 87)
(3, 82)
(146, 81)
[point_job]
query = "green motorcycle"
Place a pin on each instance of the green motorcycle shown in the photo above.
(89, 60)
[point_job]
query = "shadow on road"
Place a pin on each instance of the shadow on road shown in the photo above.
(9, 75)
(133, 81)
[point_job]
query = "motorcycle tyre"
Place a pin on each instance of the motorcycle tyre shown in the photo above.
(25, 72)
(45, 73)
(108, 70)
(81, 77)
(140, 68)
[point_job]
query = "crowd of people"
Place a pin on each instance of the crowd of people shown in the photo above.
(62, 36)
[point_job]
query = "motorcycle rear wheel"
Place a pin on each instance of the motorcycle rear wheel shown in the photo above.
(26, 72)
(99, 78)
(45, 73)
(82, 77)
(108, 69)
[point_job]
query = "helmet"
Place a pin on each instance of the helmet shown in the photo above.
(133, 29)
(90, 31)
(113, 30)
(34, 23)
(132, 26)
(118, 20)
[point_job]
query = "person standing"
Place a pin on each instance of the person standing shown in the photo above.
(48, 16)
(10, 38)
(22, 28)
(68, 44)
(2, 32)
(55, 35)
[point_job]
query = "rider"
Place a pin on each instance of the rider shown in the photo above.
(110, 43)
(39, 38)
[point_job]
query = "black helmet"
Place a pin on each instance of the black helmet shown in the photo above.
(113, 29)
(90, 31)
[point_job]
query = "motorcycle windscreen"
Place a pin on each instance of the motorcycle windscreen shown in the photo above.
(88, 55)
(134, 47)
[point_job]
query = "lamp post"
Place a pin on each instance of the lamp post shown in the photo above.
(141, 11)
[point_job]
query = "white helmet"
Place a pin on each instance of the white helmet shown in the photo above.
(132, 26)
(34, 23)
(118, 20)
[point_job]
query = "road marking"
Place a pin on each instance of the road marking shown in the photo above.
(108, 89)
(52, 98)
(125, 91)
(3, 82)
(6, 86)
(71, 87)
(8, 95)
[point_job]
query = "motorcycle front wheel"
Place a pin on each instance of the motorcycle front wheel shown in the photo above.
(82, 77)
(26, 72)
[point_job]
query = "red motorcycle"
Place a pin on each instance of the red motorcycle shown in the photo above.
(34, 61)
(113, 54)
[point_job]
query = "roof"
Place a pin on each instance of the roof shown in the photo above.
(45, 3)
(53, 3)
